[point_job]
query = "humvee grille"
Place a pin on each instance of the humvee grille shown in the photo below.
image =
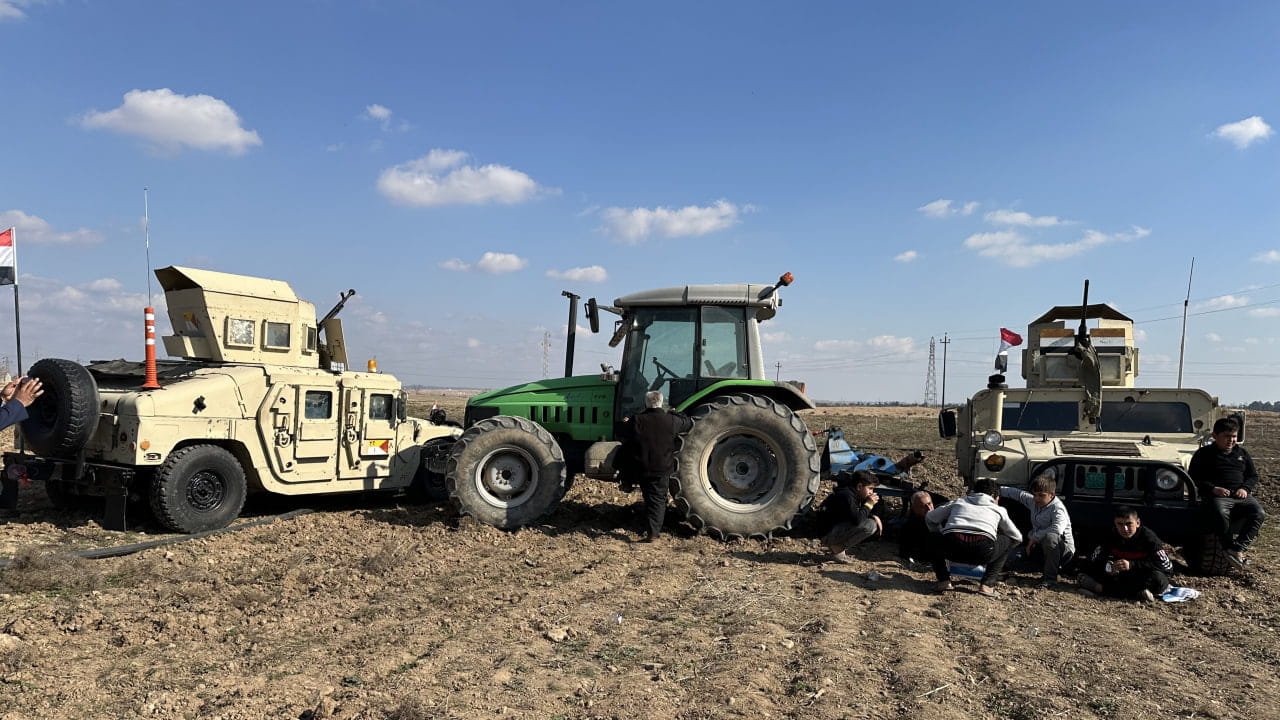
(1100, 449)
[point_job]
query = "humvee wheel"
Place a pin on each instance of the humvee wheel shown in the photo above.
(1207, 555)
(200, 487)
(427, 486)
(507, 472)
(746, 468)
(63, 418)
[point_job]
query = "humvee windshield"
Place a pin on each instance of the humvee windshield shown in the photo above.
(1123, 416)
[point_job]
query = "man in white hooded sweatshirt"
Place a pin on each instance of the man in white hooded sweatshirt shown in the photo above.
(973, 530)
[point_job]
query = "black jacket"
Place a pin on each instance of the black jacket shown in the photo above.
(649, 440)
(1232, 470)
(1144, 551)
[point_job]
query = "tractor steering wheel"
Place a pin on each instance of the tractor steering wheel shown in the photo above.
(662, 370)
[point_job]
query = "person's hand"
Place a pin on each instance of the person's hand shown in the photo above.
(1120, 565)
(28, 391)
(6, 393)
(1242, 493)
(1221, 492)
(874, 499)
(879, 525)
(1030, 544)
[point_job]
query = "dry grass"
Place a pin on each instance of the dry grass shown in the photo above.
(35, 571)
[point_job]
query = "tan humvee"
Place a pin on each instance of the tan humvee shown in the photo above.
(257, 401)
(1132, 447)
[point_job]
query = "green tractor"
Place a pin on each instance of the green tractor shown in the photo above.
(745, 469)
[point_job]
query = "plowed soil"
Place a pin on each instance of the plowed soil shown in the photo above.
(369, 607)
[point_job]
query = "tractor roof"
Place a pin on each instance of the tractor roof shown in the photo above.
(740, 294)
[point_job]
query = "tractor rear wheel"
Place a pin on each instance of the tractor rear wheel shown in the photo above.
(747, 467)
(507, 472)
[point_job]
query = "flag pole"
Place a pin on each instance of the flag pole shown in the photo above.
(17, 322)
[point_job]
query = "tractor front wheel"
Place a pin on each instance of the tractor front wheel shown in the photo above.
(507, 472)
(746, 468)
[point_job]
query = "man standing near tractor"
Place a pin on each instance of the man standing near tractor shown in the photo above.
(649, 445)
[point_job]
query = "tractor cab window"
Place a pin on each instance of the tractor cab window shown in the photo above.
(724, 342)
(660, 347)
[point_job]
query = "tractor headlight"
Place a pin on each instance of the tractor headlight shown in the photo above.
(993, 440)
(1167, 480)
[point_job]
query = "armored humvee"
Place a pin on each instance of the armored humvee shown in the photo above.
(1082, 421)
(261, 399)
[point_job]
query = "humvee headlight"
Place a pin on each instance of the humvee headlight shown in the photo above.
(994, 462)
(993, 440)
(1167, 479)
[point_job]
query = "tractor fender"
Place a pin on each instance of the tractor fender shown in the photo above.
(780, 392)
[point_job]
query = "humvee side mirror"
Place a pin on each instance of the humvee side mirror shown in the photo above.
(402, 410)
(593, 315)
(1239, 418)
(946, 423)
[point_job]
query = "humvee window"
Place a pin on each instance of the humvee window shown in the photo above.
(380, 407)
(1040, 416)
(1146, 417)
(277, 335)
(312, 338)
(319, 405)
(239, 332)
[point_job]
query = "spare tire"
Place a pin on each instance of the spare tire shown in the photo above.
(61, 421)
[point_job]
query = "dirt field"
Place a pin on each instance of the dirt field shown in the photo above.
(369, 608)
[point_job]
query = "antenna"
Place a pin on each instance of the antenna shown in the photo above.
(146, 229)
(1182, 344)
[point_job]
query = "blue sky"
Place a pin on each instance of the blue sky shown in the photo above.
(922, 168)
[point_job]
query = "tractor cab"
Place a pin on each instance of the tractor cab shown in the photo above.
(684, 340)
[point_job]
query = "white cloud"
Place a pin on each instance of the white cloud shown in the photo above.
(1139, 335)
(104, 285)
(37, 231)
(473, 343)
(171, 121)
(1016, 217)
(12, 9)
(441, 178)
(1222, 302)
(944, 208)
(491, 262)
(378, 112)
(835, 345)
(633, 225)
(1213, 337)
(907, 256)
(892, 343)
(775, 337)
(1265, 312)
(1251, 341)
(496, 263)
(1012, 248)
(592, 274)
(1245, 132)
(1269, 256)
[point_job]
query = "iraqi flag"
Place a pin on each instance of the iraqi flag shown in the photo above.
(8, 259)
(1008, 339)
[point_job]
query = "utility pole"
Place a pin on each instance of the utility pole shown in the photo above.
(945, 342)
(930, 380)
(778, 377)
(1182, 344)
(546, 354)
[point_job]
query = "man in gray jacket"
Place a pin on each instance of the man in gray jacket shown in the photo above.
(1050, 527)
(974, 530)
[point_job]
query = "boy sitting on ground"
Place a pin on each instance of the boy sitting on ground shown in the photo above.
(1130, 563)
(1050, 535)
(849, 512)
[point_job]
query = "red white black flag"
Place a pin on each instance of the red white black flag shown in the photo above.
(8, 259)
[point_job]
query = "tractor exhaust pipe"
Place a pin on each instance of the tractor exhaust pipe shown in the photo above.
(571, 337)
